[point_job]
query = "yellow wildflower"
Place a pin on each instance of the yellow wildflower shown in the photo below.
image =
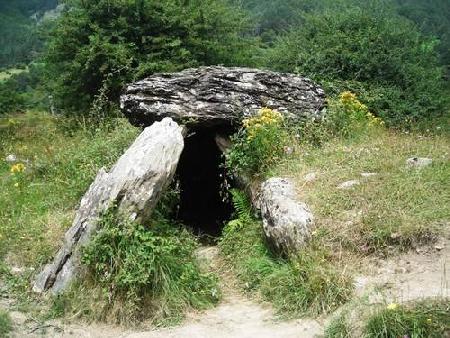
(429, 320)
(392, 306)
(348, 96)
(16, 184)
(18, 168)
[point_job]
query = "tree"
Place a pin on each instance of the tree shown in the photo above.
(374, 52)
(99, 45)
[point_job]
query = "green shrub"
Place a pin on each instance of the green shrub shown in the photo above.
(10, 99)
(147, 271)
(258, 145)
(421, 320)
(347, 117)
(5, 324)
(372, 52)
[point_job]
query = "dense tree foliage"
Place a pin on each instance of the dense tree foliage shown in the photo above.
(380, 55)
(433, 18)
(98, 46)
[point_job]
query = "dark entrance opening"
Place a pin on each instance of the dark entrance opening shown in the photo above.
(201, 177)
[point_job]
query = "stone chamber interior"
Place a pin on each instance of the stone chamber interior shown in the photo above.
(200, 177)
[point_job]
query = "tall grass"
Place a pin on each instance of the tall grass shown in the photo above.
(422, 319)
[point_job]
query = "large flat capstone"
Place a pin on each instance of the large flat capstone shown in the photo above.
(134, 185)
(220, 96)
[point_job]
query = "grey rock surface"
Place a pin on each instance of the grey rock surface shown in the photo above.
(348, 184)
(419, 162)
(134, 184)
(219, 96)
(287, 222)
(11, 158)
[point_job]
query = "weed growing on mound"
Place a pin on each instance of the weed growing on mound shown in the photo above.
(424, 319)
(140, 273)
(346, 118)
(305, 284)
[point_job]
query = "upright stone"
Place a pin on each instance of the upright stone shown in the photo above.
(287, 222)
(134, 184)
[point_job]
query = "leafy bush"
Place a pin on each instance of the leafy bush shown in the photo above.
(307, 283)
(259, 144)
(152, 268)
(373, 52)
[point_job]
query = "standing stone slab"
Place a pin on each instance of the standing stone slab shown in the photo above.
(134, 184)
(220, 96)
(287, 222)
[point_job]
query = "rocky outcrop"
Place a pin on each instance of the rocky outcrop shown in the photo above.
(219, 96)
(134, 185)
(287, 222)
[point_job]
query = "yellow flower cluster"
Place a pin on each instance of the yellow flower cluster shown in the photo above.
(18, 168)
(392, 306)
(373, 120)
(350, 100)
(265, 117)
(353, 105)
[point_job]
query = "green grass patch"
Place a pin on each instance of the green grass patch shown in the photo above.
(5, 324)
(423, 319)
(310, 283)
(338, 328)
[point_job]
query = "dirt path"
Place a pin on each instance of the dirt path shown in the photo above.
(407, 277)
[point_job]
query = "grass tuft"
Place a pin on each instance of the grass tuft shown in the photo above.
(5, 324)
(420, 320)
